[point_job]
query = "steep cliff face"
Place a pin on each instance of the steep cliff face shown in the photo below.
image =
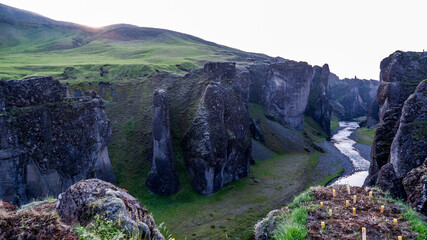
(163, 176)
(319, 107)
(217, 143)
(408, 149)
(373, 114)
(401, 72)
(415, 184)
(49, 141)
(282, 87)
(354, 95)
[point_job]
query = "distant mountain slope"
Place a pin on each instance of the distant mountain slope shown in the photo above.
(31, 44)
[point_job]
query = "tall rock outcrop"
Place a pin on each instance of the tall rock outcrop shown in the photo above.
(401, 72)
(163, 176)
(282, 87)
(354, 95)
(409, 147)
(217, 143)
(319, 107)
(49, 141)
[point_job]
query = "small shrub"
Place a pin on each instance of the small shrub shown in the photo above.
(100, 229)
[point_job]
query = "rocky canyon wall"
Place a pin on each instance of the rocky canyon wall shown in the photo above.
(49, 141)
(352, 98)
(400, 141)
(282, 87)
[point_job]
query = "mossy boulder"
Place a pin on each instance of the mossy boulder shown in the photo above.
(93, 197)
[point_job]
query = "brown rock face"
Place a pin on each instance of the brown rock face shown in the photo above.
(401, 72)
(49, 141)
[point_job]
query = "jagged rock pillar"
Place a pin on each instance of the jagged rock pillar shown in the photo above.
(217, 145)
(318, 106)
(163, 176)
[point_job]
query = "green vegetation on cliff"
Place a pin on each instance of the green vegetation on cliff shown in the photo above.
(365, 135)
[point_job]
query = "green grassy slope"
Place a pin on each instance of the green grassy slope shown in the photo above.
(31, 45)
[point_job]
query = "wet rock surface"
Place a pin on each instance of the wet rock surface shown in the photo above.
(401, 72)
(49, 141)
(88, 198)
(163, 176)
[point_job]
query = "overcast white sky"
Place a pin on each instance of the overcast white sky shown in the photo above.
(352, 36)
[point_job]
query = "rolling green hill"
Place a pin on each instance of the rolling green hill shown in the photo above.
(32, 45)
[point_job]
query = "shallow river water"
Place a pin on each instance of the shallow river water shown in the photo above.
(342, 141)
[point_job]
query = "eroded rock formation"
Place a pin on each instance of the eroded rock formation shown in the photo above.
(318, 106)
(89, 198)
(415, 184)
(401, 72)
(282, 87)
(217, 144)
(163, 176)
(409, 147)
(354, 95)
(49, 141)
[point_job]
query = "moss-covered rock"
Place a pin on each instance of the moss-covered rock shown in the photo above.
(93, 197)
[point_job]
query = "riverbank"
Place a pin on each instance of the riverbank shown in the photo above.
(353, 157)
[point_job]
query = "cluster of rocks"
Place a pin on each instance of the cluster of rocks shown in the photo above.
(399, 147)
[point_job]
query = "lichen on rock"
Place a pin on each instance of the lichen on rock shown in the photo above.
(93, 197)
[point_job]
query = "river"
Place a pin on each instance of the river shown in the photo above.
(345, 144)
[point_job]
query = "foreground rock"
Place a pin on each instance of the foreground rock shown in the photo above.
(89, 198)
(217, 144)
(401, 72)
(319, 107)
(49, 141)
(163, 176)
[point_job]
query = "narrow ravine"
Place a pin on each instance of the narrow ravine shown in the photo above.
(345, 144)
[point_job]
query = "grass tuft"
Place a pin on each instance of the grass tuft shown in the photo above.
(293, 228)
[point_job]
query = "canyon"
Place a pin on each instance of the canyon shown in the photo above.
(186, 133)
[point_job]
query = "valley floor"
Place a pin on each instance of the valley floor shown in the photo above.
(234, 210)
